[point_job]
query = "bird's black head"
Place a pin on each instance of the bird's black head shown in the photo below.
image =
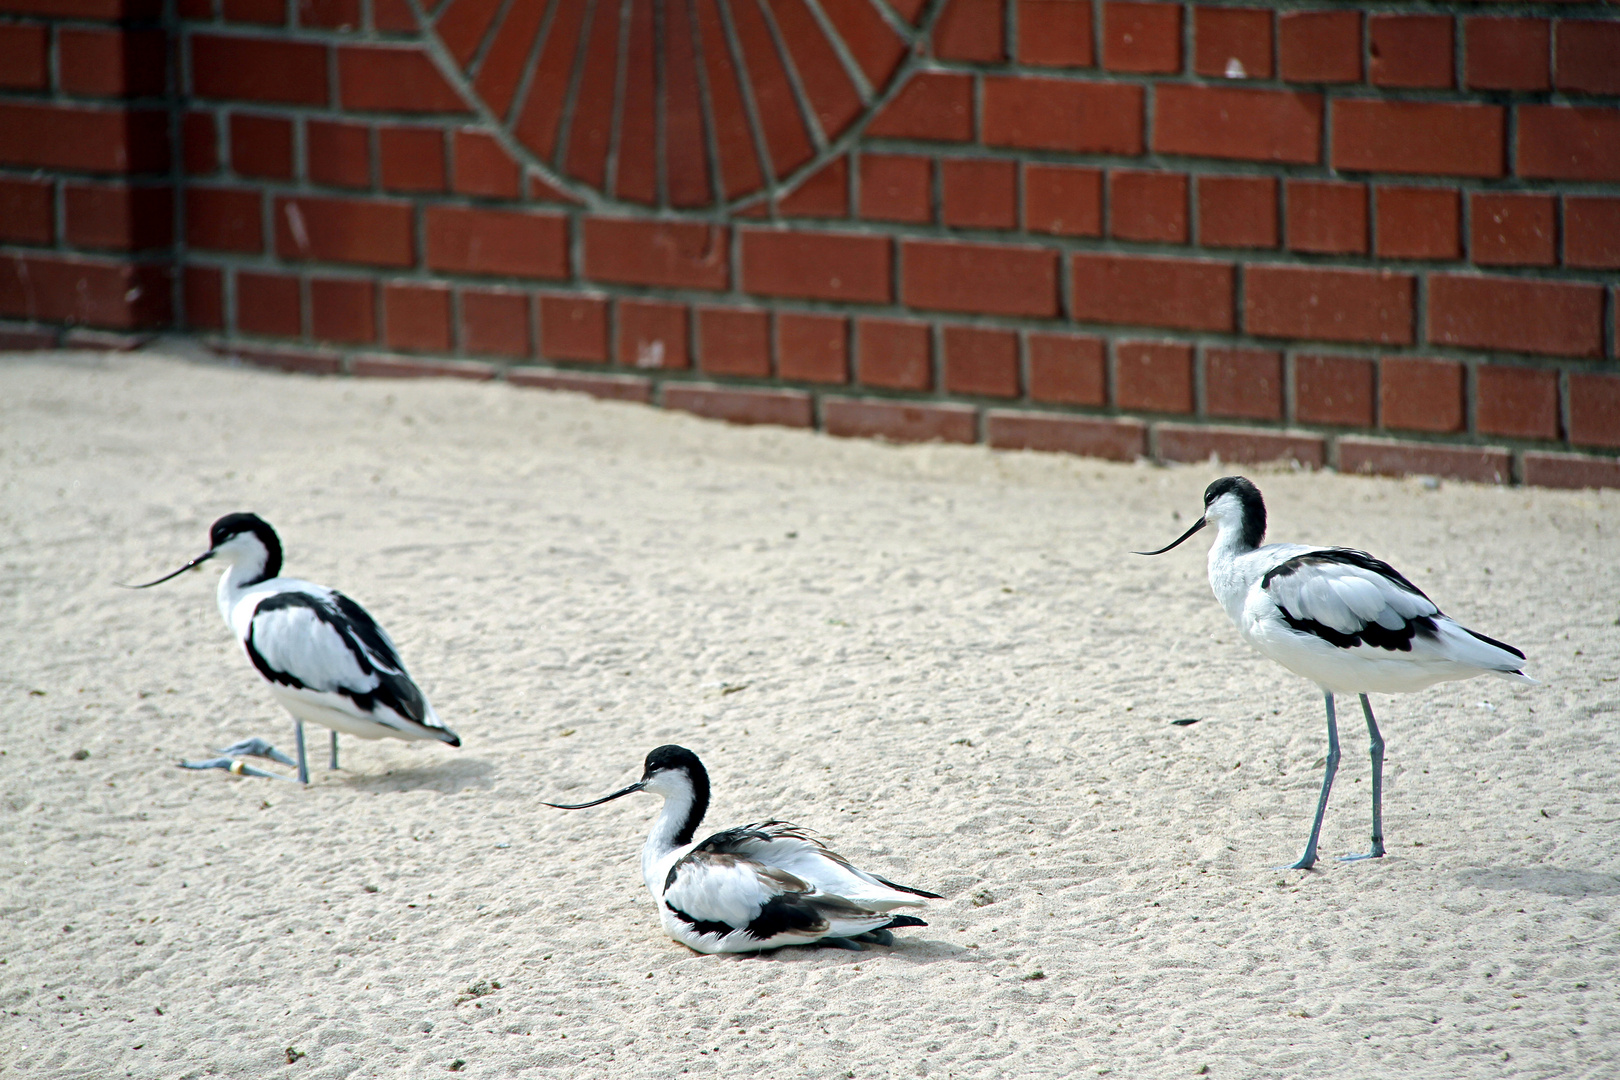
(671, 758)
(232, 526)
(1251, 507)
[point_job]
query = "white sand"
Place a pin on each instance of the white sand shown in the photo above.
(949, 664)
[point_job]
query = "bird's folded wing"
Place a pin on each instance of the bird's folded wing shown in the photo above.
(1348, 592)
(301, 640)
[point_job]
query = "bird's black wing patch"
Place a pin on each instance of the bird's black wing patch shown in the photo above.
(1374, 631)
(909, 889)
(701, 926)
(393, 689)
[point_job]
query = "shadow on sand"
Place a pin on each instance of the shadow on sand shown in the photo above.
(445, 777)
(1543, 879)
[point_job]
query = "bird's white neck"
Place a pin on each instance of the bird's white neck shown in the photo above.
(1229, 576)
(233, 583)
(673, 829)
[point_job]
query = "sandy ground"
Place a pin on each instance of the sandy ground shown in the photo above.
(943, 658)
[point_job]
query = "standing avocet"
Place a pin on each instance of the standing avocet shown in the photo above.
(1341, 618)
(325, 659)
(755, 887)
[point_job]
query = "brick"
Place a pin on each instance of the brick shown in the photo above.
(1489, 313)
(411, 159)
(1319, 46)
(812, 348)
(984, 278)
(1559, 143)
(894, 355)
(203, 288)
(1153, 376)
(817, 266)
(371, 232)
(1418, 223)
(670, 254)
(23, 338)
(1237, 211)
(118, 295)
(981, 362)
(122, 63)
(224, 219)
(1053, 114)
(199, 144)
(84, 139)
(897, 188)
(652, 334)
(263, 12)
(23, 58)
(1062, 201)
(261, 146)
(1180, 294)
(416, 318)
(897, 422)
(574, 327)
(1147, 206)
(1410, 51)
(873, 43)
(1592, 232)
(330, 14)
(783, 408)
(196, 9)
(1482, 465)
(1067, 370)
(342, 310)
(1243, 383)
(383, 366)
(1112, 440)
(1427, 138)
(514, 243)
(1232, 43)
(932, 106)
(27, 213)
(1594, 410)
(258, 69)
(1586, 56)
(1416, 394)
(338, 154)
(1328, 305)
(86, 9)
(307, 361)
(1239, 124)
(1327, 218)
(1336, 390)
(1054, 33)
(1141, 37)
(382, 78)
(102, 340)
(971, 31)
(824, 193)
(1569, 470)
(483, 167)
(978, 194)
(393, 16)
(608, 387)
(495, 322)
(1516, 401)
(1513, 230)
(1507, 54)
(1183, 442)
(734, 342)
(268, 304)
(118, 217)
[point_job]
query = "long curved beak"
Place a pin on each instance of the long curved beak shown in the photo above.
(631, 790)
(1199, 524)
(204, 557)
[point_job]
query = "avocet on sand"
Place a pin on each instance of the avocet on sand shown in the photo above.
(1341, 618)
(325, 659)
(756, 887)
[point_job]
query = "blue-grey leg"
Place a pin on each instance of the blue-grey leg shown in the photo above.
(257, 747)
(303, 759)
(841, 943)
(1378, 786)
(876, 937)
(1307, 860)
(334, 748)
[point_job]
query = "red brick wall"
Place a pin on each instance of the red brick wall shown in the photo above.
(1384, 241)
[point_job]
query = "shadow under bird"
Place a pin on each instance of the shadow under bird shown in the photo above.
(756, 887)
(1341, 618)
(325, 659)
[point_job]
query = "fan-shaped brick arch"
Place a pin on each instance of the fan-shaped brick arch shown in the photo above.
(678, 103)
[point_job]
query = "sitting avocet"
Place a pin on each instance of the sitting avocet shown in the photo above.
(1339, 617)
(323, 656)
(755, 887)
